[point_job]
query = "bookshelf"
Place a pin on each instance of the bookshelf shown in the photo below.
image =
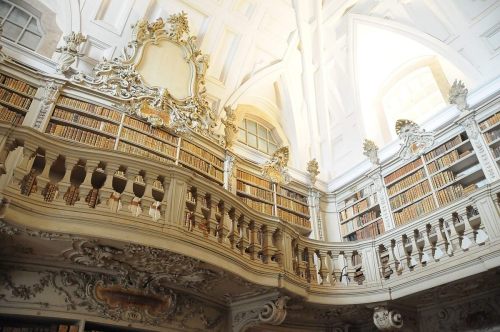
(437, 178)
(256, 192)
(15, 99)
(490, 129)
(292, 207)
(360, 215)
(202, 160)
(36, 324)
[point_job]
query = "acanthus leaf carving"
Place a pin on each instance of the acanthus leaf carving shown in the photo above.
(458, 95)
(414, 140)
(276, 168)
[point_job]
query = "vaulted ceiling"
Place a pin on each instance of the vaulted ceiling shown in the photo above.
(307, 65)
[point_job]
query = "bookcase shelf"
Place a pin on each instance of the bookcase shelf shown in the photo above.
(360, 215)
(16, 97)
(292, 207)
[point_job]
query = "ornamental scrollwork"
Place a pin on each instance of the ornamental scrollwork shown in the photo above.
(414, 139)
(458, 95)
(69, 51)
(276, 168)
(272, 312)
(370, 149)
(313, 170)
(120, 78)
(387, 320)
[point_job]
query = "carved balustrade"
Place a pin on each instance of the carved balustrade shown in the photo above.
(79, 190)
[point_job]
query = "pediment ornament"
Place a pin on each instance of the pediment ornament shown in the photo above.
(276, 168)
(160, 77)
(414, 140)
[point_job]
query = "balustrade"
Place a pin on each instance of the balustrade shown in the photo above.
(168, 201)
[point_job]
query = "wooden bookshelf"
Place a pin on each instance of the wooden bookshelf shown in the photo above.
(202, 160)
(439, 177)
(256, 192)
(490, 128)
(360, 215)
(15, 99)
(292, 207)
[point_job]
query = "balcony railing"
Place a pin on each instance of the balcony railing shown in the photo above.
(64, 187)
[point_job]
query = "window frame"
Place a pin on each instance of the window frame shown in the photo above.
(31, 16)
(270, 138)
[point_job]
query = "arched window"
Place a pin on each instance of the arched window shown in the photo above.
(257, 135)
(20, 25)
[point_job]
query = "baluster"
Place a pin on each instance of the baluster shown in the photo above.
(277, 239)
(460, 227)
(56, 172)
(268, 249)
(408, 250)
(138, 189)
(243, 239)
(74, 178)
(231, 234)
(312, 272)
(118, 184)
(474, 220)
(253, 247)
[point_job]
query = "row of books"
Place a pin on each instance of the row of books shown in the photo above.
(294, 219)
(135, 150)
(201, 165)
(148, 142)
(411, 212)
(10, 116)
(258, 206)
(80, 135)
(358, 207)
(147, 128)
(370, 231)
(490, 122)
(443, 148)
(449, 194)
(254, 191)
(358, 222)
(17, 85)
(403, 170)
(291, 194)
(287, 203)
(210, 157)
(105, 126)
(15, 99)
(410, 195)
(443, 162)
(247, 177)
(443, 178)
(496, 151)
(91, 108)
(31, 328)
(365, 192)
(406, 182)
(490, 136)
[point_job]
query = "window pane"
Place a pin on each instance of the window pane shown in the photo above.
(252, 140)
(262, 132)
(242, 135)
(272, 148)
(11, 31)
(4, 8)
(19, 17)
(30, 40)
(33, 27)
(251, 127)
(271, 138)
(262, 145)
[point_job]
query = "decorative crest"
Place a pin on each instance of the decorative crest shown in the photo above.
(69, 52)
(313, 170)
(275, 169)
(458, 95)
(230, 129)
(182, 109)
(370, 149)
(414, 140)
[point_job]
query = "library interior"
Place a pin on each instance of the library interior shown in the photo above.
(249, 165)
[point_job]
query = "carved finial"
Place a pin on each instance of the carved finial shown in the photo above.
(370, 149)
(179, 25)
(386, 320)
(230, 129)
(458, 95)
(313, 170)
(275, 169)
(413, 139)
(69, 52)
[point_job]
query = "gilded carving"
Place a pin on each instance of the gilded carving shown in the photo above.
(370, 149)
(276, 169)
(313, 170)
(458, 95)
(69, 51)
(119, 78)
(230, 128)
(414, 140)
